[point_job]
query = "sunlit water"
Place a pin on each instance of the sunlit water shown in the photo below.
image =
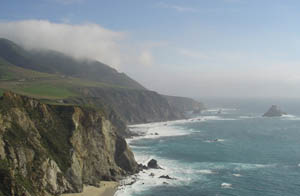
(252, 156)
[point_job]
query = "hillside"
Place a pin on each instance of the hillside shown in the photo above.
(54, 62)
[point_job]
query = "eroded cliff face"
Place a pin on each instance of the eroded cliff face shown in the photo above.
(133, 106)
(51, 149)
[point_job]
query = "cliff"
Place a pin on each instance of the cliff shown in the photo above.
(133, 106)
(52, 149)
(184, 104)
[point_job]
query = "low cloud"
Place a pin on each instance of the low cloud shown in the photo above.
(146, 58)
(82, 41)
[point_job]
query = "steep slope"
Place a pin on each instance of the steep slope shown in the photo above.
(184, 104)
(55, 62)
(133, 106)
(49, 149)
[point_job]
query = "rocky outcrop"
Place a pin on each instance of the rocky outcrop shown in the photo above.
(51, 149)
(274, 111)
(153, 164)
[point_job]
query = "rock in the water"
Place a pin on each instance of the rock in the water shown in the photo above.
(152, 174)
(152, 164)
(274, 111)
(141, 167)
(167, 177)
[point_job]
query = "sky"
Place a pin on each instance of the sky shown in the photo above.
(195, 48)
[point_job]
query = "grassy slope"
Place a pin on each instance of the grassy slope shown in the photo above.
(52, 62)
(42, 85)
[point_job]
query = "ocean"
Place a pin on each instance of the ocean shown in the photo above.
(235, 153)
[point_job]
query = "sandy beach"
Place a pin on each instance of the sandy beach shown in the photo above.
(106, 189)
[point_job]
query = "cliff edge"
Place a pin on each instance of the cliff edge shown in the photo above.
(53, 149)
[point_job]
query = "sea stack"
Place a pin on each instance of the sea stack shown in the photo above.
(274, 111)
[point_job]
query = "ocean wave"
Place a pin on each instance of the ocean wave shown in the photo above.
(169, 128)
(212, 118)
(220, 109)
(156, 130)
(215, 166)
(290, 117)
(250, 117)
(184, 174)
(226, 185)
(148, 179)
(215, 140)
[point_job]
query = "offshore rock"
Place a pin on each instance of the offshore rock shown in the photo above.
(152, 164)
(274, 111)
(53, 149)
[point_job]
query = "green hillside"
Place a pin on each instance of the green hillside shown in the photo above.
(53, 62)
(43, 85)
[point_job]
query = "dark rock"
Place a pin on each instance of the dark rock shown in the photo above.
(152, 164)
(155, 133)
(167, 177)
(274, 111)
(142, 167)
(152, 174)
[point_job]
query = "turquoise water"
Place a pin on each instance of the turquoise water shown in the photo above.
(253, 156)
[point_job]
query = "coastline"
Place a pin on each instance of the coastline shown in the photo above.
(152, 177)
(107, 188)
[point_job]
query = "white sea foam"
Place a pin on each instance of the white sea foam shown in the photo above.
(290, 117)
(250, 117)
(148, 179)
(233, 166)
(204, 171)
(226, 185)
(156, 130)
(207, 118)
(222, 110)
(144, 180)
(168, 128)
(215, 140)
(237, 175)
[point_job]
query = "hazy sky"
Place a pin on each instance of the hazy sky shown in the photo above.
(226, 48)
